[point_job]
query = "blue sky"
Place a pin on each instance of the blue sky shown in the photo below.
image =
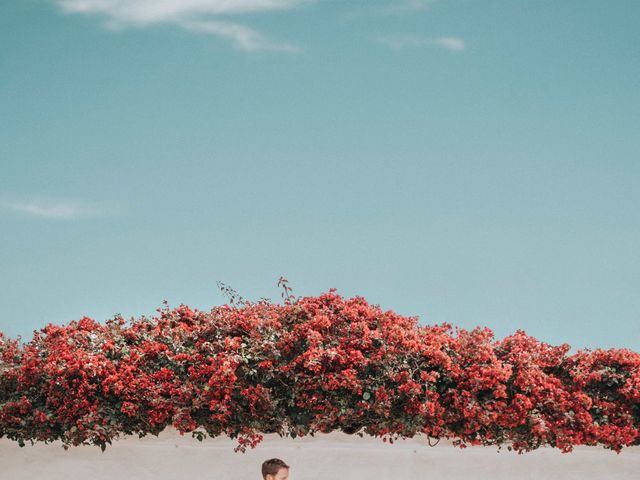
(475, 162)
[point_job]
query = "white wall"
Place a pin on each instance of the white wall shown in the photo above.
(334, 456)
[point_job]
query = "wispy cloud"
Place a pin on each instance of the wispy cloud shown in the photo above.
(404, 6)
(195, 15)
(220, 18)
(397, 42)
(49, 209)
(450, 43)
(391, 7)
(240, 36)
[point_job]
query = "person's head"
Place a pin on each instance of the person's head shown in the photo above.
(275, 469)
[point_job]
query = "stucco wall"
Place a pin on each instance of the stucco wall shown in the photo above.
(334, 456)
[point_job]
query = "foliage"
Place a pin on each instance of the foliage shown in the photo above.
(312, 364)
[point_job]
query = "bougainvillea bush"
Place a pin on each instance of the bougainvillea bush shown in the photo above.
(309, 365)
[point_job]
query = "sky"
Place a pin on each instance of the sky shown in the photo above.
(466, 161)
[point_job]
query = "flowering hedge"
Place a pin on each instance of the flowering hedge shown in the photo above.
(314, 364)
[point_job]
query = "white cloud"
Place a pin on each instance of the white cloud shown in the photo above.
(409, 6)
(195, 15)
(241, 37)
(154, 11)
(391, 7)
(398, 42)
(54, 209)
(450, 43)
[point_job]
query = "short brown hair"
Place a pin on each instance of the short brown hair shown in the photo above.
(272, 467)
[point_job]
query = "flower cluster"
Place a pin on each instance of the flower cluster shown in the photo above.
(315, 364)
